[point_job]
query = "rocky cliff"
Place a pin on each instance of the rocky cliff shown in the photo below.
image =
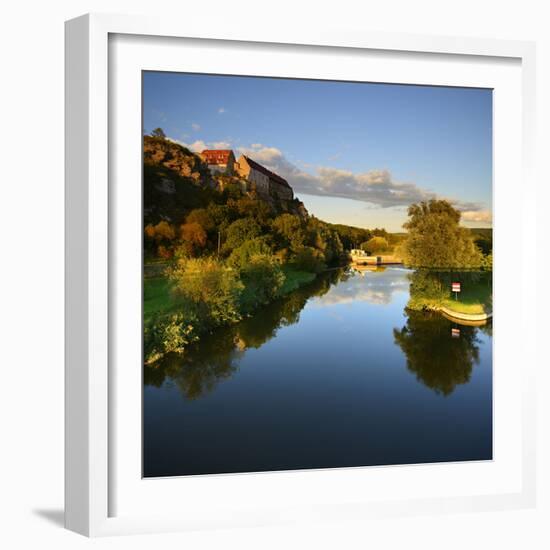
(176, 180)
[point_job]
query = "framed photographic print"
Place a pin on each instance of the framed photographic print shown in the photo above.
(289, 263)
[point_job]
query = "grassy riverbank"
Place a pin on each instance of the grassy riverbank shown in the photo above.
(432, 290)
(474, 299)
(158, 297)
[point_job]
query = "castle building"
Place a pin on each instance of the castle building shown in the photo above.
(265, 181)
(219, 160)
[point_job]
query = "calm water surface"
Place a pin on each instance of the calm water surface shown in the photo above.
(336, 374)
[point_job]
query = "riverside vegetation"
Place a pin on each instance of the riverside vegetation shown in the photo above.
(224, 252)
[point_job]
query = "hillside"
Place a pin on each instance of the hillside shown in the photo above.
(177, 181)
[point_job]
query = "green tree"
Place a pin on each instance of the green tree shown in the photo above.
(435, 238)
(291, 230)
(263, 278)
(375, 245)
(242, 255)
(240, 231)
(208, 288)
(158, 133)
(487, 264)
(440, 362)
(309, 259)
(253, 208)
(168, 334)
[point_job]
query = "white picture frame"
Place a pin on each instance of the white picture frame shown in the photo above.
(92, 397)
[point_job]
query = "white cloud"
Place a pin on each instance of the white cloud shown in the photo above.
(377, 187)
(195, 126)
(199, 145)
(365, 287)
(221, 110)
(220, 145)
(374, 187)
(483, 216)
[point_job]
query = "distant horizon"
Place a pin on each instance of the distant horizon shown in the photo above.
(354, 153)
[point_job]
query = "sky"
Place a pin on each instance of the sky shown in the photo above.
(355, 153)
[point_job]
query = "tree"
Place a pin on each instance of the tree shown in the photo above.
(435, 238)
(162, 232)
(253, 208)
(439, 362)
(240, 231)
(242, 255)
(309, 259)
(263, 278)
(158, 133)
(375, 245)
(193, 237)
(209, 289)
(291, 230)
(203, 217)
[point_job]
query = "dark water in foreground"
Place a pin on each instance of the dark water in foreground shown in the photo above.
(336, 374)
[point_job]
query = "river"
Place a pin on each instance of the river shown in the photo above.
(337, 374)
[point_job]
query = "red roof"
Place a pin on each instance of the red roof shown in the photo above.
(217, 156)
(268, 173)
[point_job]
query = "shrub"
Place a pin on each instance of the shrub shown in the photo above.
(203, 217)
(240, 231)
(210, 288)
(309, 259)
(168, 334)
(193, 237)
(164, 252)
(263, 278)
(487, 262)
(375, 245)
(243, 254)
(427, 289)
(290, 229)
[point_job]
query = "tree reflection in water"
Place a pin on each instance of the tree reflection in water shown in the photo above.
(438, 360)
(216, 356)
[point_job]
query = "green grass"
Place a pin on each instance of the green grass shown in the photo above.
(474, 298)
(157, 297)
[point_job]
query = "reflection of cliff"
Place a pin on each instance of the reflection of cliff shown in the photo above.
(438, 360)
(216, 357)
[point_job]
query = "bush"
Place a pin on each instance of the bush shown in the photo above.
(427, 289)
(290, 230)
(193, 237)
(487, 262)
(243, 254)
(263, 279)
(210, 288)
(375, 245)
(240, 231)
(168, 334)
(309, 259)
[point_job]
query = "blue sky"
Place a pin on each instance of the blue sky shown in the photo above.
(355, 153)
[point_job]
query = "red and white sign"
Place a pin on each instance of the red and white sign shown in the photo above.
(455, 332)
(455, 287)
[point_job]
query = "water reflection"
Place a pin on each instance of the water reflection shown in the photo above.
(216, 357)
(339, 373)
(366, 285)
(440, 353)
(439, 359)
